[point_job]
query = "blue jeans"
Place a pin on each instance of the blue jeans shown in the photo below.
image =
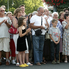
(38, 44)
(54, 49)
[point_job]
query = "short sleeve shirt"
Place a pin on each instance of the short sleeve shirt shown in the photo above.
(37, 22)
(55, 32)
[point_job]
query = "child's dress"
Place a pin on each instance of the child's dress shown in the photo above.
(21, 42)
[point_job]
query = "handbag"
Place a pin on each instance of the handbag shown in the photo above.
(38, 32)
(47, 36)
(13, 30)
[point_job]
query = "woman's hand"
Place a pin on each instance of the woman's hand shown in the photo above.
(28, 30)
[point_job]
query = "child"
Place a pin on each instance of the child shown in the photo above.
(55, 39)
(21, 42)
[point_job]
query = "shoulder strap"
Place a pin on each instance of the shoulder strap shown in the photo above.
(16, 18)
(41, 20)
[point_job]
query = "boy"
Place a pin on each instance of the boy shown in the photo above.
(55, 39)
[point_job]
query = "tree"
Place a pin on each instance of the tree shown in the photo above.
(31, 5)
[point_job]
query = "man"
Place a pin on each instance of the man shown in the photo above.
(46, 15)
(23, 9)
(5, 23)
(38, 41)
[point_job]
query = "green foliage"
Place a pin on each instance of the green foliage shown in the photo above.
(31, 5)
(12, 9)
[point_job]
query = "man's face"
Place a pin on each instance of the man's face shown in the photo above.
(2, 10)
(46, 12)
(23, 8)
(41, 11)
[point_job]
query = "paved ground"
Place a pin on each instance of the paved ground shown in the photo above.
(46, 66)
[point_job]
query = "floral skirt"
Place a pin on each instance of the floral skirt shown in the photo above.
(66, 43)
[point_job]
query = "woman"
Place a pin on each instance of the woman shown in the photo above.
(12, 45)
(17, 13)
(65, 25)
(61, 19)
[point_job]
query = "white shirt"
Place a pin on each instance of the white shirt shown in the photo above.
(37, 22)
(49, 19)
(4, 28)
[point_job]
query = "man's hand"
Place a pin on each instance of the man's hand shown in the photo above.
(2, 22)
(42, 27)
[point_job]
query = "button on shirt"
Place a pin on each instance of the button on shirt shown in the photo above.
(55, 32)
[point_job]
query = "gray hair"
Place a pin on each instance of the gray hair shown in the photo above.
(55, 13)
(39, 8)
(35, 12)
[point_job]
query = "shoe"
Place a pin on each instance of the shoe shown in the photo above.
(57, 62)
(65, 61)
(26, 65)
(22, 65)
(7, 63)
(0, 63)
(53, 62)
(17, 64)
(43, 63)
(29, 64)
(13, 62)
(38, 64)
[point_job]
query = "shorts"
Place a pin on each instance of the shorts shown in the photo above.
(4, 44)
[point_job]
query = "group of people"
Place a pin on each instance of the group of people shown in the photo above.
(31, 33)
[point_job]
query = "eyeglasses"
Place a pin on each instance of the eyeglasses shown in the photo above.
(2, 10)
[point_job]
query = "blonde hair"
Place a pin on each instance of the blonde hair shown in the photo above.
(17, 11)
(8, 13)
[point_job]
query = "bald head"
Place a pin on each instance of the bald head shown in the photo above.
(40, 11)
(1, 8)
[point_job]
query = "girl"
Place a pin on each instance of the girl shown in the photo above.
(21, 42)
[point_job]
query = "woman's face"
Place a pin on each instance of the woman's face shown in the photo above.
(55, 16)
(20, 13)
(67, 18)
(10, 16)
(62, 16)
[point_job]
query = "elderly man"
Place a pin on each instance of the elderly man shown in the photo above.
(38, 22)
(5, 23)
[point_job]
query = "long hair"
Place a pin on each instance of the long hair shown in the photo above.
(20, 21)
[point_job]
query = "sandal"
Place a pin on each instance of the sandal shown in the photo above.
(17, 64)
(29, 64)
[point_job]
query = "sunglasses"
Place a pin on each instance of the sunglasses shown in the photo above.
(2, 10)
